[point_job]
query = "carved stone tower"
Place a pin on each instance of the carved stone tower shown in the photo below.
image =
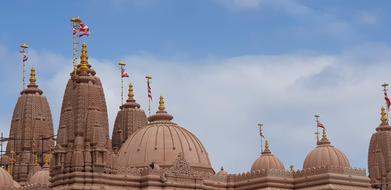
(379, 155)
(31, 132)
(128, 120)
(83, 143)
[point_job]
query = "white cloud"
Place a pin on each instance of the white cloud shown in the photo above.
(289, 6)
(223, 99)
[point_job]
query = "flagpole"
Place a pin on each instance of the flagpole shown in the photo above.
(122, 66)
(23, 51)
(260, 125)
(317, 128)
(75, 25)
(385, 86)
(149, 78)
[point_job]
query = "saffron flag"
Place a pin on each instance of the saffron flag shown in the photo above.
(388, 102)
(124, 73)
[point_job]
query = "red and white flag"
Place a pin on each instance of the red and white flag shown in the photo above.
(124, 73)
(388, 102)
(83, 30)
(149, 89)
(24, 56)
(320, 125)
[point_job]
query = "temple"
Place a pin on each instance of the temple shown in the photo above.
(155, 152)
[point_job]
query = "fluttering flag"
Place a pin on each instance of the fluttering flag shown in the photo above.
(83, 30)
(388, 102)
(320, 125)
(149, 88)
(124, 73)
(24, 56)
(261, 130)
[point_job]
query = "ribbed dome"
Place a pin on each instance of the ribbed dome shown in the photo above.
(40, 178)
(161, 141)
(326, 155)
(267, 161)
(6, 180)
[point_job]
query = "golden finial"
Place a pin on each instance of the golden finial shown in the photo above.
(76, 20)
(36, 162)
(130, 92)
(324, 139)
(84, 59)
(385, 85)
(161, 104)
(324, 134)
(24, 46)
(384, 116)
(267, 150)
(33, 78)
(47, 160)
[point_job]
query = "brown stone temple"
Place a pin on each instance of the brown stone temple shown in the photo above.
(154, 152)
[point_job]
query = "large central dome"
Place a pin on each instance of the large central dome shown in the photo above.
(160, 142)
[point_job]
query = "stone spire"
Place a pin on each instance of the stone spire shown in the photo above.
(379, 162)
(31, 131)
(83, 143)
(129, 119)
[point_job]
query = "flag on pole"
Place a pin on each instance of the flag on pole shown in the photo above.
(388, 102)
(124, 73)
(320, 125)
(149, 88)
(24, 55)
(261, 130)
(83, 29)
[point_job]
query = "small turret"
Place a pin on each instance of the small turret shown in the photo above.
(129, 119)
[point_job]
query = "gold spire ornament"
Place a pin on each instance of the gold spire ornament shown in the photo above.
(384, 116)
(36, 161)
(47, 160)
(33, 78)
(324, 139)
(130, 92)
(267, 148)
(161, 104)
(84, 59)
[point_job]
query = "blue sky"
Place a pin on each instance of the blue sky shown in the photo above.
(223, 65)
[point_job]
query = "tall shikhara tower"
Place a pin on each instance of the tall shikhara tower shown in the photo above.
(83, 143)
(31, 132)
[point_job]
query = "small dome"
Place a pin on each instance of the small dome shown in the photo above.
(6, 180)
(160, 142)
(222, 172)
(40, 178)
(326, 155)
(267, 161)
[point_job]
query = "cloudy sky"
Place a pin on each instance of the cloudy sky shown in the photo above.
(223, 66)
